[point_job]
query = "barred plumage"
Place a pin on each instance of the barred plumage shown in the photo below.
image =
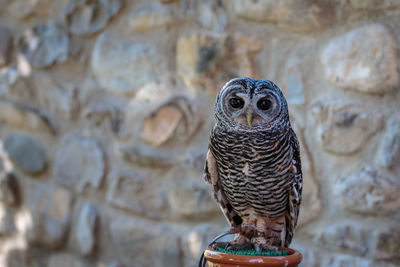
(254, 167)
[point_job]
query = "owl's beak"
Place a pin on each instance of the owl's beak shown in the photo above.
(249, 115)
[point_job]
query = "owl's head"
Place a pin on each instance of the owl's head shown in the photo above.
(250, 104)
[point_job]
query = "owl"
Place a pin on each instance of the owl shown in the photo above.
(253, 164)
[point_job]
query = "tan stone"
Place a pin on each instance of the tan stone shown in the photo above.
(159, 127)
(150, 18)
(298, 16)
(207, 61)
(178, 118)
(24, 117)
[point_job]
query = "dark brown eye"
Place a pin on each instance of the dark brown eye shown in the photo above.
(236, 102)
(264, 104)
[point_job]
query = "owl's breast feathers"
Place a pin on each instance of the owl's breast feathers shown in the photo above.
(257, 173)
(255, 169)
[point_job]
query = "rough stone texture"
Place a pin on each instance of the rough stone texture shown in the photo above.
(124, 65)
(121, 96)
(86, 226)
(212, 15)
(369, 192)
(346, 127)
(311, 192)
(199, 56)
(144, 243)
(373, 4)
(177, 118)
(79, 162)
(25, 117)
(294, 83)
(346, 237)
(389, 154)
(386, 244)
(364, 59)
(299, 16)
(48, 215)
(44, 45)
(27, 152)
(149, 193)
(5, 45)
(88, 17)
(147, 18)
(192, 201)
(57, 97)
(9, 189)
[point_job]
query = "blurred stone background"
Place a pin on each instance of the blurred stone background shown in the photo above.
(106, 107)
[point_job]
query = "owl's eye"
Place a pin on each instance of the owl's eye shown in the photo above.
(264, 104)
(236, 102)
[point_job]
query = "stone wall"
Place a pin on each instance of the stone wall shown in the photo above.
(106, 107)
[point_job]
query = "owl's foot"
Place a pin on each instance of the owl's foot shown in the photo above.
(261, 244)
(241, 242)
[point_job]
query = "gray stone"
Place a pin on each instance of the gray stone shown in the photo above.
(104, 115)
(24, 117)
(150, 194)
(5, 45)
(389, 153)
(123, 65)
(346, 237)
(298, 16)
(58, 97)
(86, 226)
(346, 127)
(8, 76)
(197, 237)
(88, 17)
(45, 45)
(294, 83)
(212, 15)
(369, 192)
(192, 200)
(345, 261)
(65, 260)
(49, 214)
(144, 243)
(386, 244)
(80, 162)
(311, 201)
(363, 59)
(6, 220)
(147, 18)
(27, 152)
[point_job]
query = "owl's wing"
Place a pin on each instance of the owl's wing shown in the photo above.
(211, 176)
(295, 190)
